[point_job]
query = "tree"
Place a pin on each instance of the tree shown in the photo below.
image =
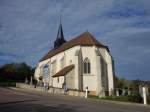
(120, 82)
(15, 72)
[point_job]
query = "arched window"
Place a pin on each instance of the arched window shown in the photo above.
(86, 66)
(45, 70)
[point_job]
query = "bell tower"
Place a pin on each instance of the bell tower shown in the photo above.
(60, 37)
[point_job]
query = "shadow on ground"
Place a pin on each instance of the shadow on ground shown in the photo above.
(12, 102)
(23, 106)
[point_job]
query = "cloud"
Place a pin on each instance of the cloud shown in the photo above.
(8, 54)
(29, 28)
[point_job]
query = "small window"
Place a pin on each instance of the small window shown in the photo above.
(87, 66)
(70, 61)
(57, 79)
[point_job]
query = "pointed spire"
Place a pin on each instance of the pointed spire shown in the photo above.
(60, 36)
(60, 31)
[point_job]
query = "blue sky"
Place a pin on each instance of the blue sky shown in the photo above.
(28, 29)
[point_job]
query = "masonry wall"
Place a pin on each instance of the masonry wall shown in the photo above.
(106, 55)
(58, 82)
(92, 80)
(69, 58)
(51, 90)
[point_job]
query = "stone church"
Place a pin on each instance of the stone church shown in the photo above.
(80, 63)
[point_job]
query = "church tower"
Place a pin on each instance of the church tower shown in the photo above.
(60, 37)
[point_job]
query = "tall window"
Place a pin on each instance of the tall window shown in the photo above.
(53, 67)
(46, 70)
(62, 63)
(87, 66)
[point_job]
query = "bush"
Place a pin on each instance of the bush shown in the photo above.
(135, 98)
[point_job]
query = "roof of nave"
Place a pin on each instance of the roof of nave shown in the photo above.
(85, 39)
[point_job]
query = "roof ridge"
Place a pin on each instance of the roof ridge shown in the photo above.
(84, 39)
(94, 40)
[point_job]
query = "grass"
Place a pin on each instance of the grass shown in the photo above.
(133, 98)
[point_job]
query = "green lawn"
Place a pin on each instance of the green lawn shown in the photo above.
(133, 98)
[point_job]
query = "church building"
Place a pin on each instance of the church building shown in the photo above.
(80, 63)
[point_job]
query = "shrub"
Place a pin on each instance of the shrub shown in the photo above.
(135, 98)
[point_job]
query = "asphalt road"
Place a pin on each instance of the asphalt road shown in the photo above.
(27, 101)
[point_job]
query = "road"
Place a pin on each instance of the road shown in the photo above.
(27, 101)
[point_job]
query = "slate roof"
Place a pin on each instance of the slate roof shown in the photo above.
(60, 37)
(64, 71)
(85, 39)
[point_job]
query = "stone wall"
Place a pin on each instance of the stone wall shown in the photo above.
(51, 90)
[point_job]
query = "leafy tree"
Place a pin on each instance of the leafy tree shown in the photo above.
(120, 82)
(15, 72)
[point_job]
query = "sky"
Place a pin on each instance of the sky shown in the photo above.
(28, 29)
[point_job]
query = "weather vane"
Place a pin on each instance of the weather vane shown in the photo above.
(60, 15)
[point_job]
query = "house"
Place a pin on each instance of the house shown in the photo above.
(80, 63)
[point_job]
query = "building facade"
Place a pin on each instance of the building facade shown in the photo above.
(80, 63)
